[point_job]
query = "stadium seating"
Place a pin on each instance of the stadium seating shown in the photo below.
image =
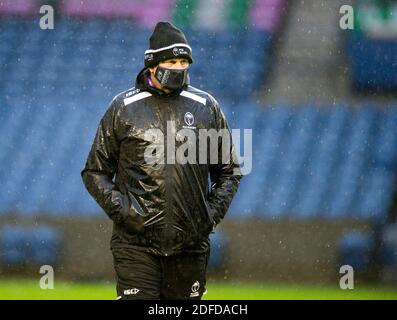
(219, 245)
(373, 62)
(146, 13)
(372, 46)
(334, 162)
(311, 162)
(61, 81)
(388, 249)
(267, 14)
(19, 7)
(307, 162)
(29, 245)
(355, 249)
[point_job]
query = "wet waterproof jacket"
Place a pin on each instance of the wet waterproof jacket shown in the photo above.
(164, 208)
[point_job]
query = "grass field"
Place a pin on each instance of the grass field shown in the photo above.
(29, 289)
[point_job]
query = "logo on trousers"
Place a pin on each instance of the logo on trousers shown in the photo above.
(195, 290)
(131, 291)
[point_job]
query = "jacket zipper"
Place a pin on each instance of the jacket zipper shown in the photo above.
(167, 173)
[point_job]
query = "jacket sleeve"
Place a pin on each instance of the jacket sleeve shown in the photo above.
(101, 166)
(225, 177)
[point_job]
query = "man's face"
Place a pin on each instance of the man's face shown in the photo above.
(177, 63)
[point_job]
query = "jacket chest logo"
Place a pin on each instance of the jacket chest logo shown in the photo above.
(189, 120)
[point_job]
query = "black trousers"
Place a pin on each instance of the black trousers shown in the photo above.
(142, 275)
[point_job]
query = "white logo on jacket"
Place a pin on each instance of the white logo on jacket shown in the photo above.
(189, 118)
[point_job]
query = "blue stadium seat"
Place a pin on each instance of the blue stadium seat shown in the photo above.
(388, 249)
(355, 249)
(371, 60)
(386, 150)
(45, 245)
(23, 245)
(219, 247)
(355, 149)
(12, 244)
(375, 195)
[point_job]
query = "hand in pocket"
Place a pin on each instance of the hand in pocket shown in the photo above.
(133, 223)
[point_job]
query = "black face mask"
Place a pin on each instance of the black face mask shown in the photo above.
(172, 79)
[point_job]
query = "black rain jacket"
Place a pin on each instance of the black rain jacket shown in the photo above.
(163, 208)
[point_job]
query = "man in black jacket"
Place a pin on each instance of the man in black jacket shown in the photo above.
(164, 210)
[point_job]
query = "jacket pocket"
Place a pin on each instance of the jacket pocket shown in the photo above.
(134, 224)
(133, 202)
(134, 205)
(134, 220)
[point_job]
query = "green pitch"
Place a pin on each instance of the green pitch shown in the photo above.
(28, 289)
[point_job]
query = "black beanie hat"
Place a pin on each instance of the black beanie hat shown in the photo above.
(167, 42)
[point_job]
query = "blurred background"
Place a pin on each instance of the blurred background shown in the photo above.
(321, 102)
